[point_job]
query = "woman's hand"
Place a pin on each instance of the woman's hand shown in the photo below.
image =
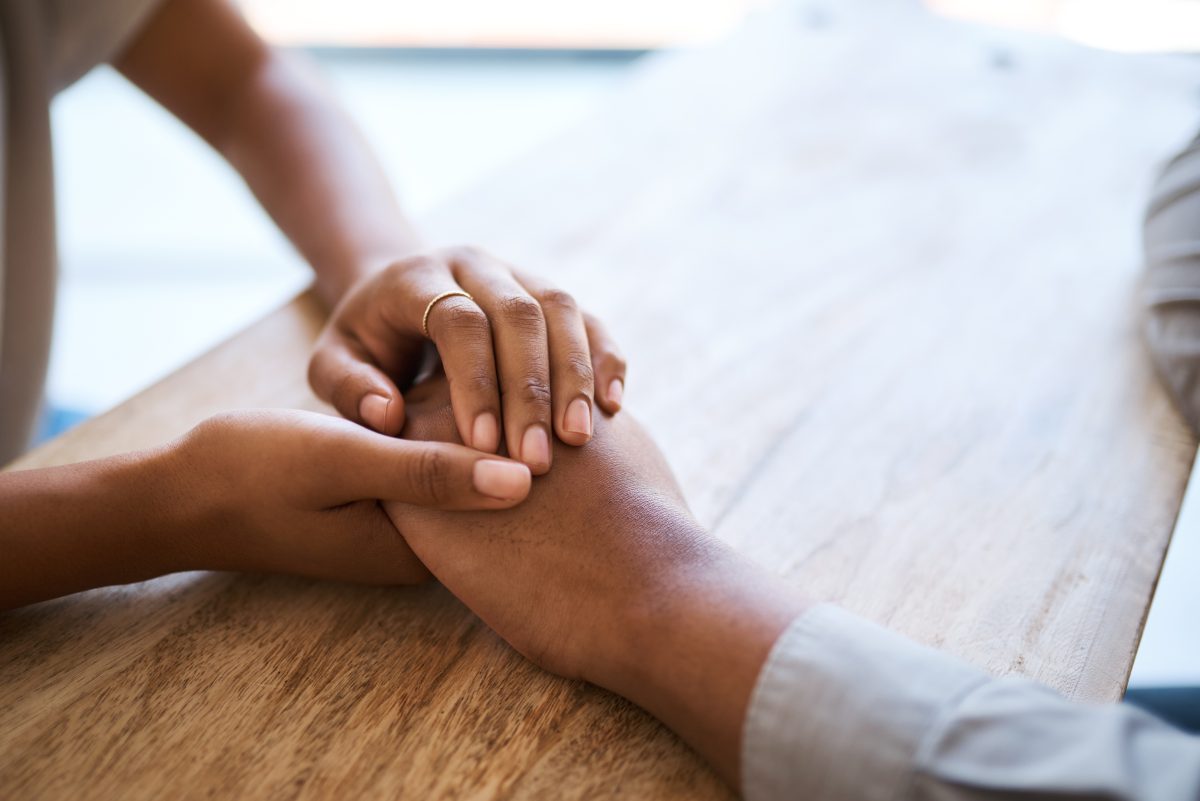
(295, 492)
(521, 358)
(266, 491)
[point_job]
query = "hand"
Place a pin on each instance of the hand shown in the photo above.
(521, 358)
(573, 552)
(295, 492)
(602, 574)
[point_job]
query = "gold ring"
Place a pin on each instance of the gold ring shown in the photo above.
(436, 300)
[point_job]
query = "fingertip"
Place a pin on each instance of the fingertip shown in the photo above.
(485, 433)
(395, 416)
(576, 425)
(535, 449)
(373, 410)
(502, 480)
(381, 413)
(614, 394)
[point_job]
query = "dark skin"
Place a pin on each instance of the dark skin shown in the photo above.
(525, 363)
(602, 574)
(629, 592)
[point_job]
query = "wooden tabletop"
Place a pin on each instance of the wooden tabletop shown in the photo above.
(875, 275)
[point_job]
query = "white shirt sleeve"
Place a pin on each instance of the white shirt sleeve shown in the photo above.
(845, 709)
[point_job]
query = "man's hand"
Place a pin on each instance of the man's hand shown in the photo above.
(295, 492)
(602, 533)
(521, 358)
(602, 574)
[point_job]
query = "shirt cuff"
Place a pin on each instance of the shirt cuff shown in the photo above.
(841, 707)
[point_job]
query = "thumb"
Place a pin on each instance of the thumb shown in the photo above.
(341, 374)
(433, 474)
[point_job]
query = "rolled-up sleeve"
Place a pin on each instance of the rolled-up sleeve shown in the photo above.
(845, 709)
(1171, 282)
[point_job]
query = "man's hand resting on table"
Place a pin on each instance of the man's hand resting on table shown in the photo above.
(602, 574)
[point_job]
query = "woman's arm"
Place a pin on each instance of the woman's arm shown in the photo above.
(277, 125)
(92, 524)
(266, 491)
(526, 362)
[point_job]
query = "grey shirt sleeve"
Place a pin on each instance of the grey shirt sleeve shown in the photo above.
(845, 709)
(1171, 282)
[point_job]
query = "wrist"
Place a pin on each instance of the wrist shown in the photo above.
(189, 508)
(690, 645)
(334, 283)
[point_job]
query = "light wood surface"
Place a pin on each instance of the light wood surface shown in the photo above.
(875, 274)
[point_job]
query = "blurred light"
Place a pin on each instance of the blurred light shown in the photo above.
(1121, 25)
(535, 24)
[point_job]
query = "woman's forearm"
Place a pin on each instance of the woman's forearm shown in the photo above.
(313, 172)
(92, 524)
(297, 150)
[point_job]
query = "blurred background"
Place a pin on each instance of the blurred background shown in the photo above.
(164, 253)
(445, 92)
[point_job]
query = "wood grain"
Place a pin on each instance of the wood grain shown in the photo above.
(875, 275)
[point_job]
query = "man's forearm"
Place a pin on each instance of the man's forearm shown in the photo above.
(71, 528)
(691, 647)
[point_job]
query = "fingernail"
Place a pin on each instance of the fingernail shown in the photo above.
(373, 410)
(578, 419)
(504, 481)
(535, 447)
(485, 434)
(616, 391)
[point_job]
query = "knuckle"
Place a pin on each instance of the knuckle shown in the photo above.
(418, 262)
(408, 276)
(464, 317)
(559, 299)
(215, 426)
(429, 476)
(533, 392)
(578, 363)
(521, 310)
(610, 362)
(479, 382)
(468, 254)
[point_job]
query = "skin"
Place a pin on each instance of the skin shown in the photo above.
(524, 362)
(632, 594)
(522, 353)
(601, 574)
(629, 590)
(218, 499)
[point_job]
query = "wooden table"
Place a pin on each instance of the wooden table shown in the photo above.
(878, 268)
